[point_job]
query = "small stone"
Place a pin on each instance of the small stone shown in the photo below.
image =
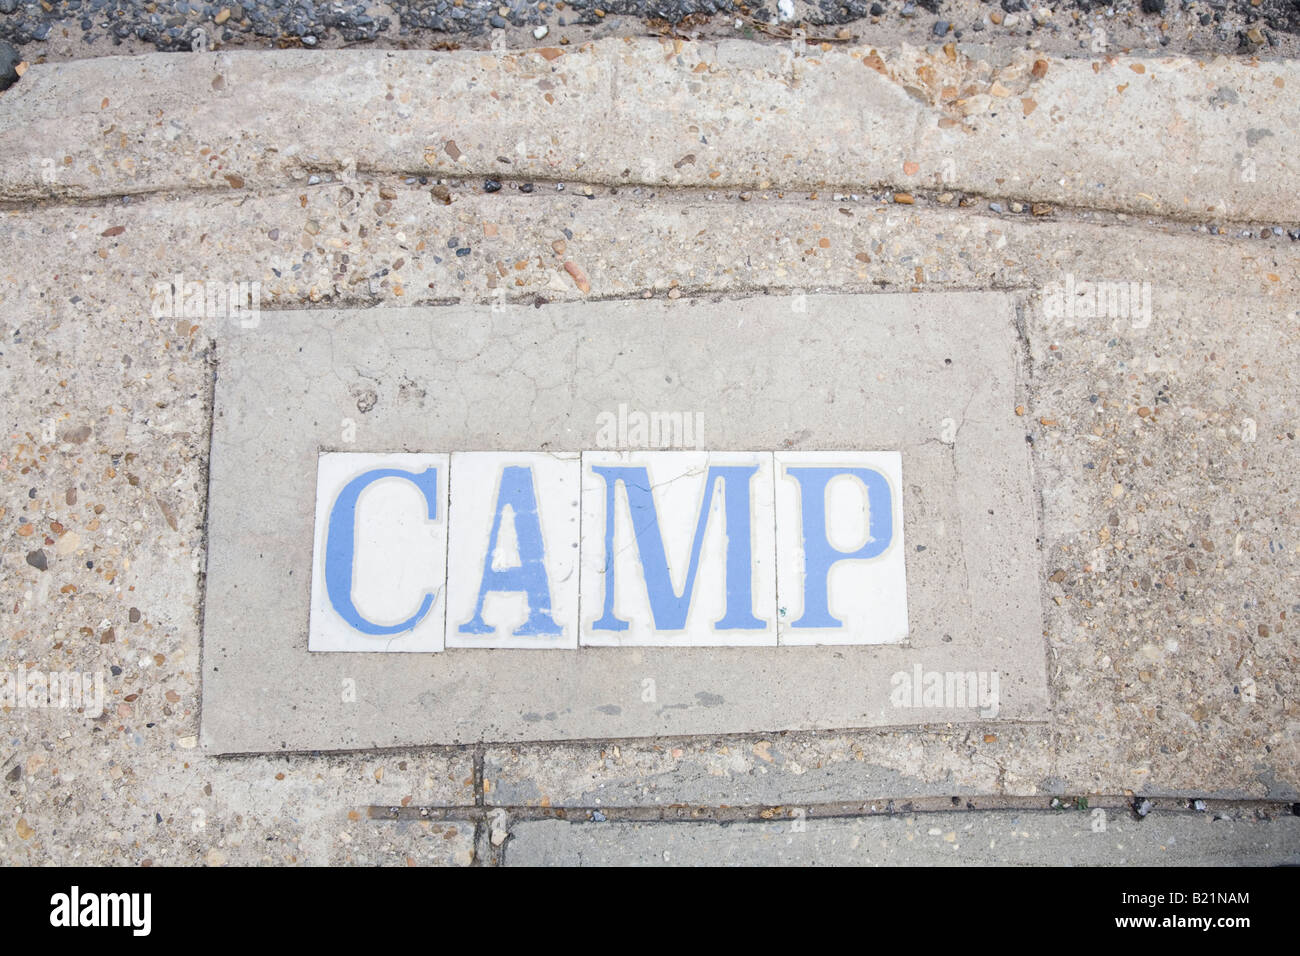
(579, 277)
(1153, 6)
(995, 207)
(908, 11)
(491, 186)
(37, 559)
(877, 9)
(785, 9)
(941, 27)
(499, 826)
(541, 32)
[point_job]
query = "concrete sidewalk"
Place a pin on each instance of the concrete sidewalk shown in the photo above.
(1163, 446)
(989, 838)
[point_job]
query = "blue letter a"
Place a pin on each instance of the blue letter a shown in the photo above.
(530, 576)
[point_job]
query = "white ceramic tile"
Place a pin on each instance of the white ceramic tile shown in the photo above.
(654, 556)
(865, 598)
(521, 589)
(379, 585)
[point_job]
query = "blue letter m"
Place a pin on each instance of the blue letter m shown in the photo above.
(670, 609)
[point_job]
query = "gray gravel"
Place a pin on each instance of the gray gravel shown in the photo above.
(9, 58)
(1209, 25)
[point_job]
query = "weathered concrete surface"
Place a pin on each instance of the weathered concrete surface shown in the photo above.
(1172, 136)
(1174, 532)
(126, 791)
(819, 372)
(990, 838)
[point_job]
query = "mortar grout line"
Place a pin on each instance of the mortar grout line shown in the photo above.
(481, 833)
(857, 809)
(738, 292)
(940, 729)
(731, 194)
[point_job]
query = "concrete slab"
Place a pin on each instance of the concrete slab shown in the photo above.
(1220, 303)
(936, 377)
(1195, 135)
(986, 838)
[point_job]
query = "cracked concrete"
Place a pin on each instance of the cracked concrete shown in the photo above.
(1032, 131)
(802, 368)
